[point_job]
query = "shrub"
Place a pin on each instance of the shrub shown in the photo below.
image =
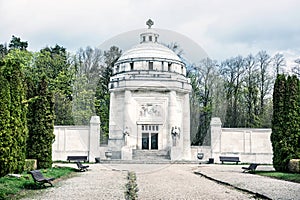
(30, 164)
(294, 166)
(41, 126)
(131, 187)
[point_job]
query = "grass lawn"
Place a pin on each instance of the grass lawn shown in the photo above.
(280, 175)
(15, 188)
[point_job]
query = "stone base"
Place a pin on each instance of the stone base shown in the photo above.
(175, 153)
(126, 153)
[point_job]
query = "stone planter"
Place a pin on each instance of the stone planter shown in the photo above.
(108, 155)
(200, 156)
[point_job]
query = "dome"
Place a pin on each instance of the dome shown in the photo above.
(149, 50)
(149, 56)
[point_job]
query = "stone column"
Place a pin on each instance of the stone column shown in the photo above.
(127, 125)
(176, 151)
(186, 151)
(94, 138)
(126, 151)
(112, 117)
(215, 131)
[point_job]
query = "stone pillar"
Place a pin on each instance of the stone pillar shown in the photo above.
(126, 151)
(176, 151)
(171, 115)
(127, 126)
(115, 141)
(94, 138)
(215, 131)
(112, 117)
(186, 128)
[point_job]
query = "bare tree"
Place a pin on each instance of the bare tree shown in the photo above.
(251, 91)
(203, 80)
(278, 63)
(296, 69)
(232, 71)
(88, 64)
(263, 62)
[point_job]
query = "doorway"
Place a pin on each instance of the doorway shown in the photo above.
(150, 137)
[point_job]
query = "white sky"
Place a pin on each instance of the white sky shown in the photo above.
(223, 28)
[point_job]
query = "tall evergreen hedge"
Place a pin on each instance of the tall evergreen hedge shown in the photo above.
(41, 125)
(292, 116)
(13, 130)
(278, 121)
(5, 131)
(285, 123)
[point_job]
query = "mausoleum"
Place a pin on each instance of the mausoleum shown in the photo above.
(149, 102)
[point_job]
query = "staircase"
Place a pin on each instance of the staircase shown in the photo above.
(148, 157)
(152, 156)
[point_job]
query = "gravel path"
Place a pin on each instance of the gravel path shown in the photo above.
(268, 187)
(155, 181)
(97, 183)
(178, 182)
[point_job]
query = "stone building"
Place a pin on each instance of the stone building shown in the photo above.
(150, 116)
(149, 102)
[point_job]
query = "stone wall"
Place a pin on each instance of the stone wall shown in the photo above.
(250, 145)
(77, 141)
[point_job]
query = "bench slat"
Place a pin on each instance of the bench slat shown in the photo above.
(77, 158)
(229, 159)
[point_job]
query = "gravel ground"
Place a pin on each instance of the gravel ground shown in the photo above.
(97, 183)
(269, 187)
(155, 181)
(178, 182)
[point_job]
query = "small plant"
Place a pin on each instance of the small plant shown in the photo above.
(30, 164)
(131, 187)
(294, 166)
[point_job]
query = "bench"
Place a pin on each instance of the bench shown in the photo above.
(229, 159)
(77, 158)
(252, 167)
(81, 167)
(39, 178)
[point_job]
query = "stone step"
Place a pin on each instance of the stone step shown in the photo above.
(117, 161)
(150, 155)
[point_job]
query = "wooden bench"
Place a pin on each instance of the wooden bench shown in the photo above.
(77, 158)
(252, 167)
(81, 167)
(229, 159)
(39, 178)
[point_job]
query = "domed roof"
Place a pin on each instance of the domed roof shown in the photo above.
(149, 48)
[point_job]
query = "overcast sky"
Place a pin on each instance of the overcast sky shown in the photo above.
(223, 28)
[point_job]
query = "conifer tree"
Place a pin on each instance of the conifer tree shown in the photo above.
(41, 126)
(292, 119)
(278, 121)
(13, 111)
(5, 131)
(285, 124)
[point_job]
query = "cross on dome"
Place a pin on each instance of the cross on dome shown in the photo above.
(149, 23)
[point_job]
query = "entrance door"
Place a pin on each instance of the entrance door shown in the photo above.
(154, 140)
(145, 141)
(150, 136)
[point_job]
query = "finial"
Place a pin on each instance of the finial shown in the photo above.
(149, 23)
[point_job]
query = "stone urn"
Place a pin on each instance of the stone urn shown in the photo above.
(200, 156)
(108, 155)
